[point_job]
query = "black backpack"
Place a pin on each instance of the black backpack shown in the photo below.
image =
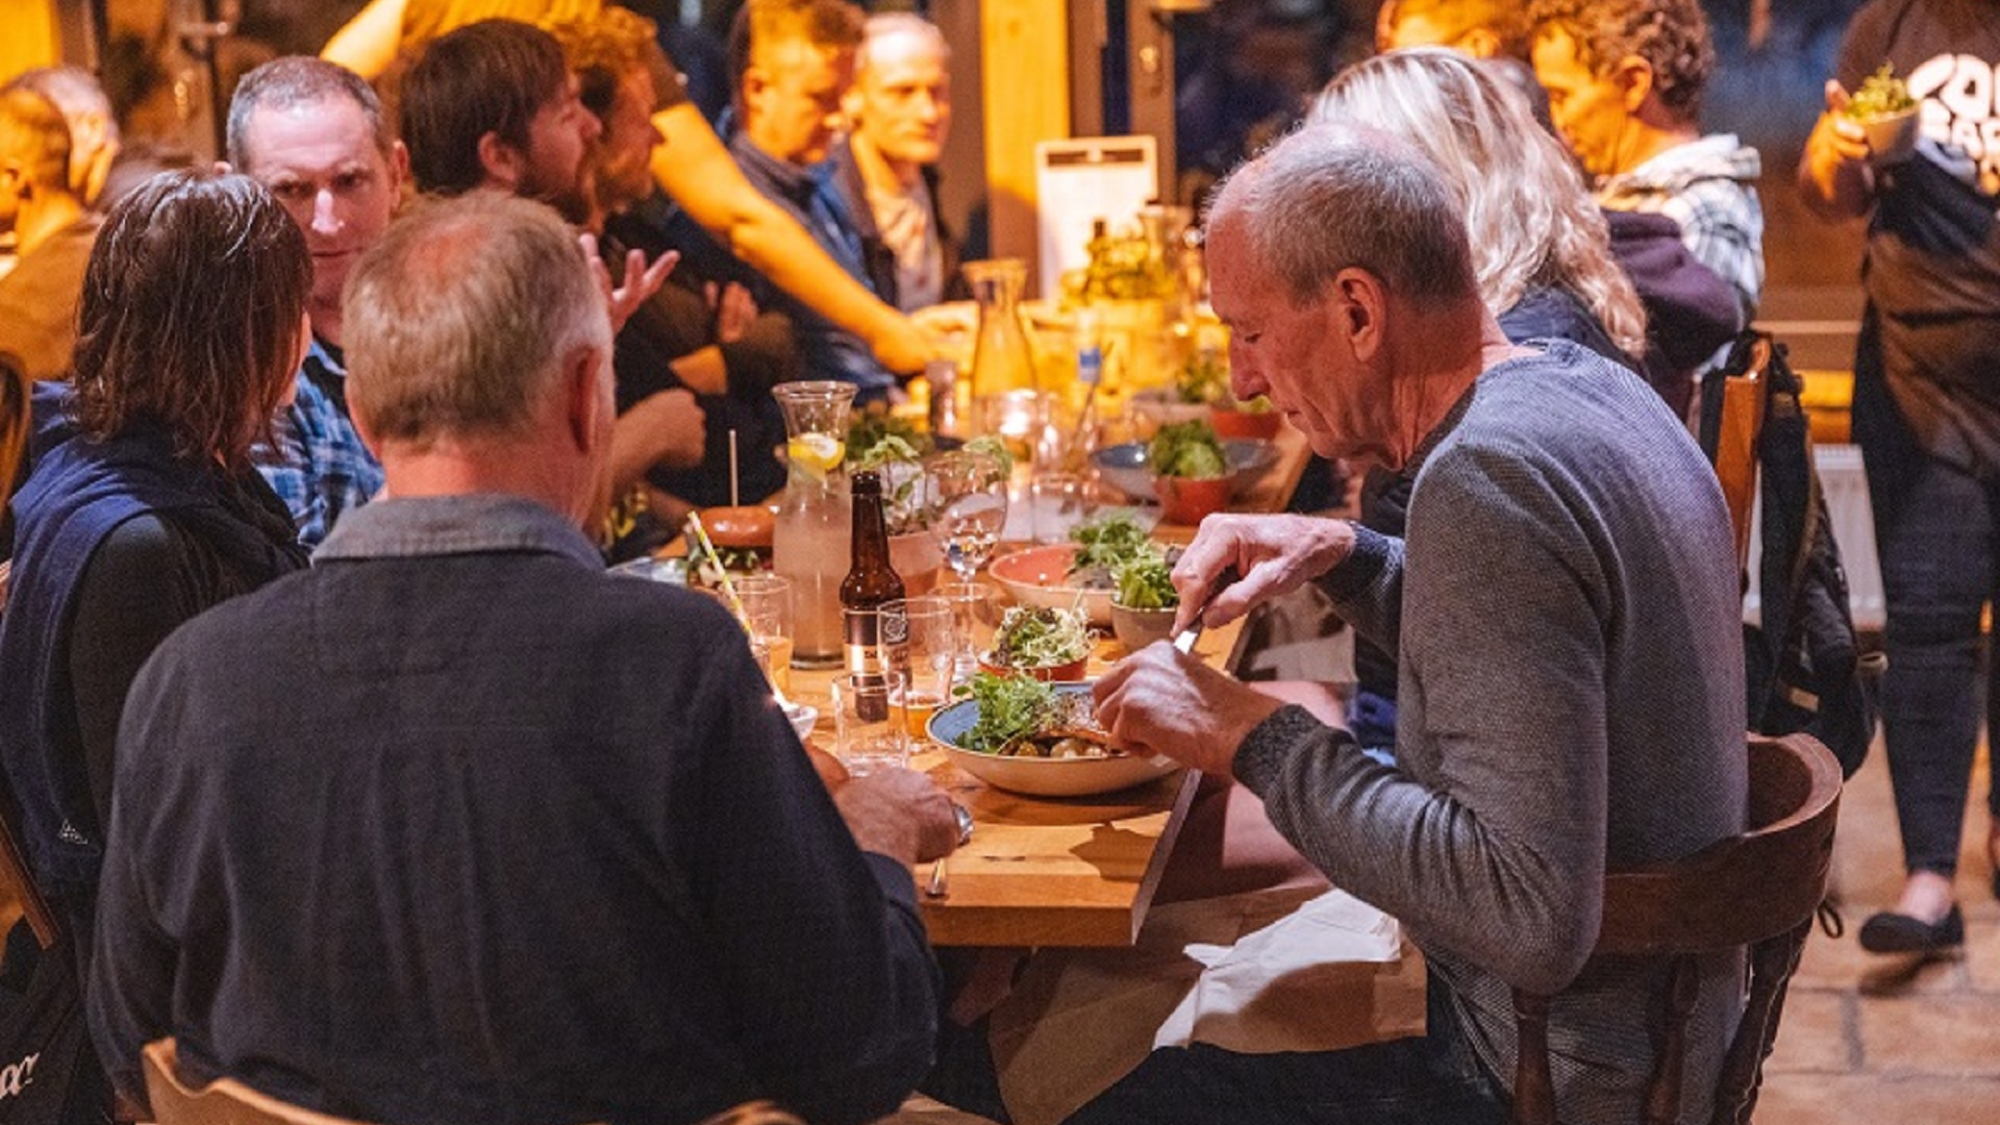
(1803, 666)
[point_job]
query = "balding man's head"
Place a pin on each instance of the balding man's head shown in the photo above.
(463, 317)
(1330, 197)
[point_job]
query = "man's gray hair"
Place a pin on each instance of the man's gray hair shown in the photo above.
(461, 318)
(887, 25)
(293, 81)
(1330, 197)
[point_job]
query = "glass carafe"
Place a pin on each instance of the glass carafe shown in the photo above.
(1001, 360)
(810, 543)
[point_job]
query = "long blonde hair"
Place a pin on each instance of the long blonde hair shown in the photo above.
(1530, 222)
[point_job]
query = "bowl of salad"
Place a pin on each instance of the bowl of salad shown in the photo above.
(1078, 573)
(1128, 468)
(1887, 113)
(1040, 642)
(1191, 472)
(1038, 738)
(1251, 418)
(1144, 604)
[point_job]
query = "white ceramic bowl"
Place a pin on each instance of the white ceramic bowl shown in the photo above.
(1041, 777)
(1124, 466)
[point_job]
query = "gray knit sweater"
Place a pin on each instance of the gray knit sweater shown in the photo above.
(1566, 614)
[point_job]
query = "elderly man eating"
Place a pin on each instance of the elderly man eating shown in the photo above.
(1567, 550)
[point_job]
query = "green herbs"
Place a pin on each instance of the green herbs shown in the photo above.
(1882, 94)
(1041, 637)
(1107, 541)
(1188, 449)
(996, 448)
(876, 437)
(1146, 582)
(1256, 404)
(1011, 708)
(1204, 380)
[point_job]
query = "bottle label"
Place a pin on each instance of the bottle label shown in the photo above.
(862, 629)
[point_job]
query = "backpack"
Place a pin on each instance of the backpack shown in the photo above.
(1803, 668)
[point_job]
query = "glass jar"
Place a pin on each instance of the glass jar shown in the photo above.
(809, 545)
(1001, 359)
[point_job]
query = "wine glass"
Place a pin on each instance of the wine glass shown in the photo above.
(968, 502)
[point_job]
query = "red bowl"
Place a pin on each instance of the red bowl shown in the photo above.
(745, 526)
(1261, 425)
(1055, 674)
(1187, 501)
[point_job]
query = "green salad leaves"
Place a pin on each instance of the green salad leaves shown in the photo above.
(1189, 450)
(1010, 708)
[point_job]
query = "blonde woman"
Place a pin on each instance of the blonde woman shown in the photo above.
(1539, 249)
(1539, 243)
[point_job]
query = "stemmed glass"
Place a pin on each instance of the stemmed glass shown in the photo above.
(968, 502)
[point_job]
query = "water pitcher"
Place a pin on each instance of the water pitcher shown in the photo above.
(810, 544)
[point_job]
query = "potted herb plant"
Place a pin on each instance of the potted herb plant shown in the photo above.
(895, 449)
(1144, 603)
(1191, 473)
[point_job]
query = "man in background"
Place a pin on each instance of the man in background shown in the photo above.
(1625, 81)
(493, 106)
(537, 845)
(94, 142)
(716, 344)
(313, 134)
(899, 111)
(792, 62)
(53, 234)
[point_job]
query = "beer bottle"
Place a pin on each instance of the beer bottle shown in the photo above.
(870, 582)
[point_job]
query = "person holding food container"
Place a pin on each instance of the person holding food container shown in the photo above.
(1908, 139)
(1567, 545)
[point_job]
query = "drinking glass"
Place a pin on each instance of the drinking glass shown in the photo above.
(869, 725)
(968, 501)
(976, 612)
(767, 616)
(920, 640)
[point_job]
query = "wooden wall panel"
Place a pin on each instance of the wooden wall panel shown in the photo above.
(1024, 86)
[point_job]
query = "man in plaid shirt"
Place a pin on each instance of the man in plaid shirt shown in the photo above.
(313, 134)
(1625, 80)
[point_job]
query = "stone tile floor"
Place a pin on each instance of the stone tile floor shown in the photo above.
(1869, 1039)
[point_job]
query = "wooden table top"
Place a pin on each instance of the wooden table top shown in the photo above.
(1078, 871)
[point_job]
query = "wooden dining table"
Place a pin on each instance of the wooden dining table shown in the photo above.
(1078, 871)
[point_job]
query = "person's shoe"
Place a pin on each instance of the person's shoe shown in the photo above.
(1889, 932)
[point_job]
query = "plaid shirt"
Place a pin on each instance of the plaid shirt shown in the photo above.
(319, 467)
(1707, 186)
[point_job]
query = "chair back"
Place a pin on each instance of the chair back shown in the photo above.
(1760, 889)
(1735, 445)
(226, 1101)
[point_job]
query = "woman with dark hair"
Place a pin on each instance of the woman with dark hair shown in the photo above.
(148, 511)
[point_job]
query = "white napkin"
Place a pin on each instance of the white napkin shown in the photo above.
(1270, 991)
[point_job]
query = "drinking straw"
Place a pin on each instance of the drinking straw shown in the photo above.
(728, 587)
(734, 500)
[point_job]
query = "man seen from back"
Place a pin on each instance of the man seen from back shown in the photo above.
(538, 845)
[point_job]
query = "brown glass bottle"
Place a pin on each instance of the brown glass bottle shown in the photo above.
(870, 580)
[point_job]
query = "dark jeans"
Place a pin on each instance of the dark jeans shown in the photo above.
(1934, 528)
(1433, 1080)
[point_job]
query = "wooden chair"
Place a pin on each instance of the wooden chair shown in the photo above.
(226, 1101)
(1760, 889)
(1742, 419)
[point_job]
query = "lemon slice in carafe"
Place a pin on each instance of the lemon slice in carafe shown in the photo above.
(818, 454)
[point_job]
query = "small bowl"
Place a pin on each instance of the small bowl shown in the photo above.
(1892, 138)
(1054, 674)
(1124, 466)
(1040, 777)
(1188, 501)
(1137, 628)
(1258, 425)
